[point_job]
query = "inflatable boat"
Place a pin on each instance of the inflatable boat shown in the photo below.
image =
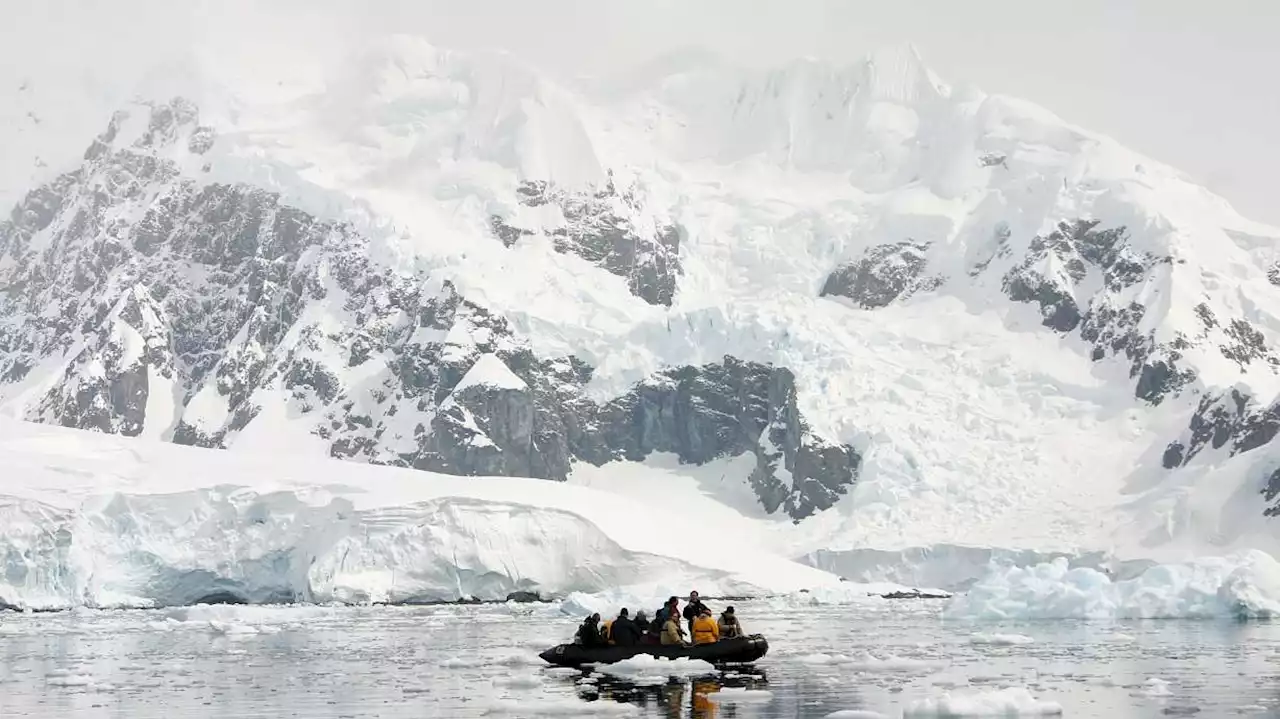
(739, 650)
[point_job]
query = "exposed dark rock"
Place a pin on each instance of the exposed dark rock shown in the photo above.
(723, 410)
(524, 597)
(603, 228)
(1229, 419)
(486, 430)
(1053, 274)
(1073, 247)
(913, 594)
(1160, 379)
(1270, 492)
(991, 159)
(883, 274)
(1273, 274)
(1247, 344)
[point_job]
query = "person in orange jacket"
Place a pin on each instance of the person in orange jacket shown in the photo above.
(705, 629)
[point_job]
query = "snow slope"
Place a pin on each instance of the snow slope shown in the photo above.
(908, 315)
(105, 521)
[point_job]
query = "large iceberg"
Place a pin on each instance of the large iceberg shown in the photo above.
(97, 520)
(1245, 584)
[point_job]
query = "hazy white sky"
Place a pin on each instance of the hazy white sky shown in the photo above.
(1192, 83)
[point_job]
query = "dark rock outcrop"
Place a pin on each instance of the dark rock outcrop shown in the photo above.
(728, 409)
(1053, 276)
(1270, 492)
(1071, 250)
(1232, 419)
(605, 228)
(883, 274)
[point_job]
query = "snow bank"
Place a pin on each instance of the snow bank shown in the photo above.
(644, 665)
(1000, 640)
(99, 520)
(1245, 585)
(1013, 701)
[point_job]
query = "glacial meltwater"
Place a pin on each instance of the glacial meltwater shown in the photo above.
(890, 658)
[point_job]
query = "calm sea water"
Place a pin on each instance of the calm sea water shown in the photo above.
(457, 661)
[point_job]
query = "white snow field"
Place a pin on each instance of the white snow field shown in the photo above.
(99, 520)
(986, 439)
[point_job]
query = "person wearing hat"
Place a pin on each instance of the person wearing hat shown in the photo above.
(728, 625)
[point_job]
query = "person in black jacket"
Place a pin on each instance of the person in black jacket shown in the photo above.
(623, 631)
(660, 616)
(693, 609)
(589, 632)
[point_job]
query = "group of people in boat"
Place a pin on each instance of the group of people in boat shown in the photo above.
(665, 628)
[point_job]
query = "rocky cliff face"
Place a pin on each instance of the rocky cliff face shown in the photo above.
(883, 274)
(1092, 280)
(607, 228)
(1233, 420)
(1085, 280)
(185, 311)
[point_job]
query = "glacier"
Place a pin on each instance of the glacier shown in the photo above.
(856, 319)
(102, 521)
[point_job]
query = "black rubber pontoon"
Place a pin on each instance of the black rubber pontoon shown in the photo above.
(739, 650)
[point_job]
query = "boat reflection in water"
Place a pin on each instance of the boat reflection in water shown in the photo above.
(673, 697)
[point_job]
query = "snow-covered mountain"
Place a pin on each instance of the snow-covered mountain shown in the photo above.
(922, 314)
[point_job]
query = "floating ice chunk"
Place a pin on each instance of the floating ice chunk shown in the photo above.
(65, 679)
(559, 707)
(517, 659)
(824, 659)
(871, 663)
(1154, 687)
(643, 665)
(740, 695)
(1244, 585)
(891, 663)
(1013, 701)
(461, 663)
(225, 628)
(520, 681)
(1000, 640)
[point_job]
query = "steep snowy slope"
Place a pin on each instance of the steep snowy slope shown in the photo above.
(923, 315)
